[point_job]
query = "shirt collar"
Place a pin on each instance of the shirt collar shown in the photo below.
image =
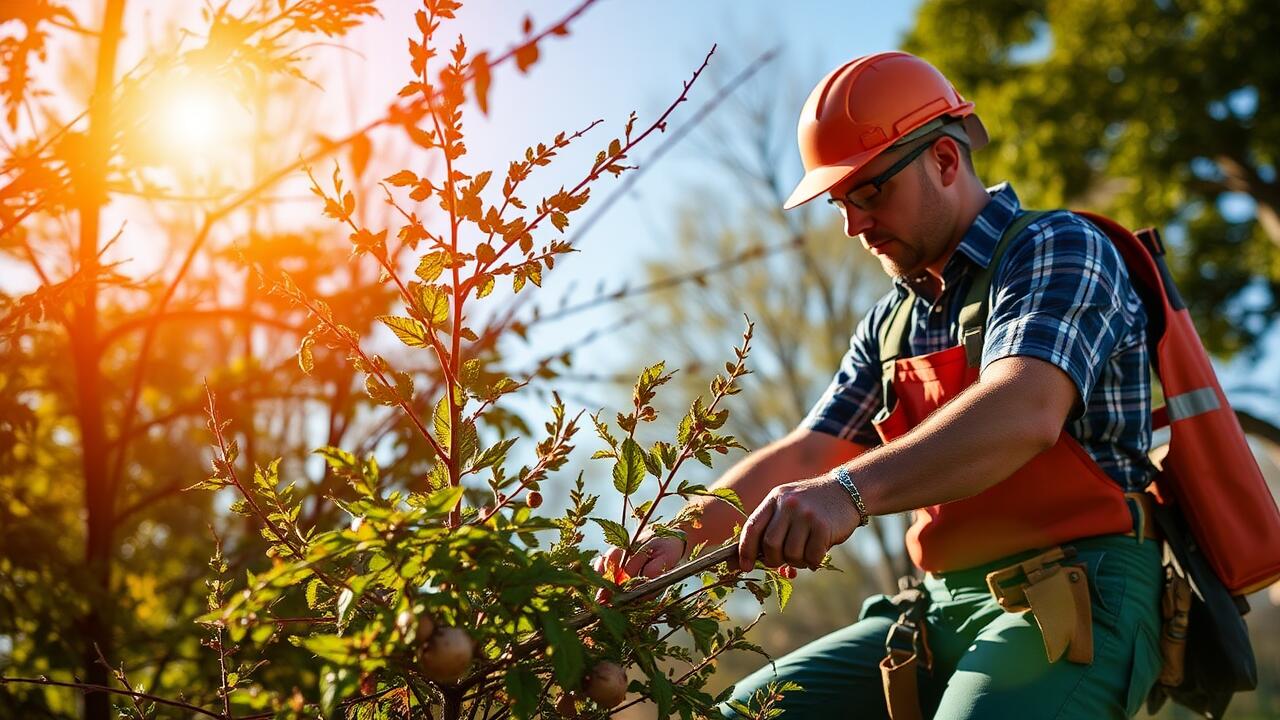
(979, 241)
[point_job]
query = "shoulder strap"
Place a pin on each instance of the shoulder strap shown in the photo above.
(893, 342)
(973, 314)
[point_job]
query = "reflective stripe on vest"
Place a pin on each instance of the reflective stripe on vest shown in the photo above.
(1192, 403)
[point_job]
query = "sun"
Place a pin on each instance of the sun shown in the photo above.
(195, 119)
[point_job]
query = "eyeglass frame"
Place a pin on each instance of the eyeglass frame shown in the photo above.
(878, 182)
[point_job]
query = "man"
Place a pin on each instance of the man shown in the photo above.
(1014, 424)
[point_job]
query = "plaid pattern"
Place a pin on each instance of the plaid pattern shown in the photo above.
(1062, 294)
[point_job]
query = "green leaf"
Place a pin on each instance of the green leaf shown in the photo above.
(684, 430)
(441, 501)
(336, 458)
(651, 374)
(494, 455)
(313, 592)
(614, 533)
(780, 586)
(434, 302)
(523, 688)
(629, 470)
(409, 331)
(565, 649)
(613, 621)
(441, 421)
(703, 631)
(724, 493)
(661, 690)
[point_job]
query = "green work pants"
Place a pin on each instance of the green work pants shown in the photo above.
(989, 663)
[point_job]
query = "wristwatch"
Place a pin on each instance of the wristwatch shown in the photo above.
(841, 476)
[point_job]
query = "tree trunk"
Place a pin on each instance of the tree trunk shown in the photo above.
(96, 625)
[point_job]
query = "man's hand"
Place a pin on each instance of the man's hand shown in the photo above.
(797, 523)
(654, 557)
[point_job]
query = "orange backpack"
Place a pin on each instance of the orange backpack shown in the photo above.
(1209, 474)
(1219, 521)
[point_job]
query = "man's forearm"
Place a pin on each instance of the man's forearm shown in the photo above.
(980, 438)
(801, 454)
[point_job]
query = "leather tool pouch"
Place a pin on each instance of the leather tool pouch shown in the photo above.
(1175, 611)
(1057, 595)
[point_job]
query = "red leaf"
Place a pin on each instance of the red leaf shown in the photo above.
(403, 178)
(480, 68)
(361, 149)
(526, 56)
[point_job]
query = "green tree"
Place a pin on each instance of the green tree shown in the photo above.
(101, 554)
(1155, 112)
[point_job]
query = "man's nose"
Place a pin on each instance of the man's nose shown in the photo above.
(856, 222)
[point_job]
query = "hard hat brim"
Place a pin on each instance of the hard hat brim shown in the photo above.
(823, 178)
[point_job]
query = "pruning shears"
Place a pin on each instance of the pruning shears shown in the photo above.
(675, 575)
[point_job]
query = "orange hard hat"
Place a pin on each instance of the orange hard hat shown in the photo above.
(868, 105)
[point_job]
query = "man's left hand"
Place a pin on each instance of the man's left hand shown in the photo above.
(797, 523)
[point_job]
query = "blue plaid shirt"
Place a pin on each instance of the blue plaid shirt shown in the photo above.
(1062, 294)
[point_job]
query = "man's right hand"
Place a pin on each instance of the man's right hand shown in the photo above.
(654, 557)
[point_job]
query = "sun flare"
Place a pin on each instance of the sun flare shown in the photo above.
(196, 119)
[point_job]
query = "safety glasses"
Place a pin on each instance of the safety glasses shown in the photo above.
(864, 195)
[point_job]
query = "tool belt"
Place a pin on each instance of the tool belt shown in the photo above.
(1056, 591)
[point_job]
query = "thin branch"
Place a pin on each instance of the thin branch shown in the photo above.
(679, 134)
(215, 314)
(90, 688)
(746, 256)
(660, 124)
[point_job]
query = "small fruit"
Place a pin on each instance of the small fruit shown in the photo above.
(533, 499)
(446, 656)
(606, 684)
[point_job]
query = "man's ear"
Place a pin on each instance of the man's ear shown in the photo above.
(947, 154)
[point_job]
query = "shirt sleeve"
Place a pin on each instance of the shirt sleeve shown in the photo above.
(1062, 295)
(854, 395)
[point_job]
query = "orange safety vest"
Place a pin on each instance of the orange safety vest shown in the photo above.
(1062, 494)
(1059, 496)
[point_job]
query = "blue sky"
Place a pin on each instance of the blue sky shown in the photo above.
(623, 56)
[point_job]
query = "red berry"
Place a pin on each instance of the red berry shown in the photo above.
(533, 499)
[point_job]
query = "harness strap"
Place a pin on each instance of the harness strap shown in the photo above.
(893, 344)
(973, 314)
(906, 648)
(895, 330)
